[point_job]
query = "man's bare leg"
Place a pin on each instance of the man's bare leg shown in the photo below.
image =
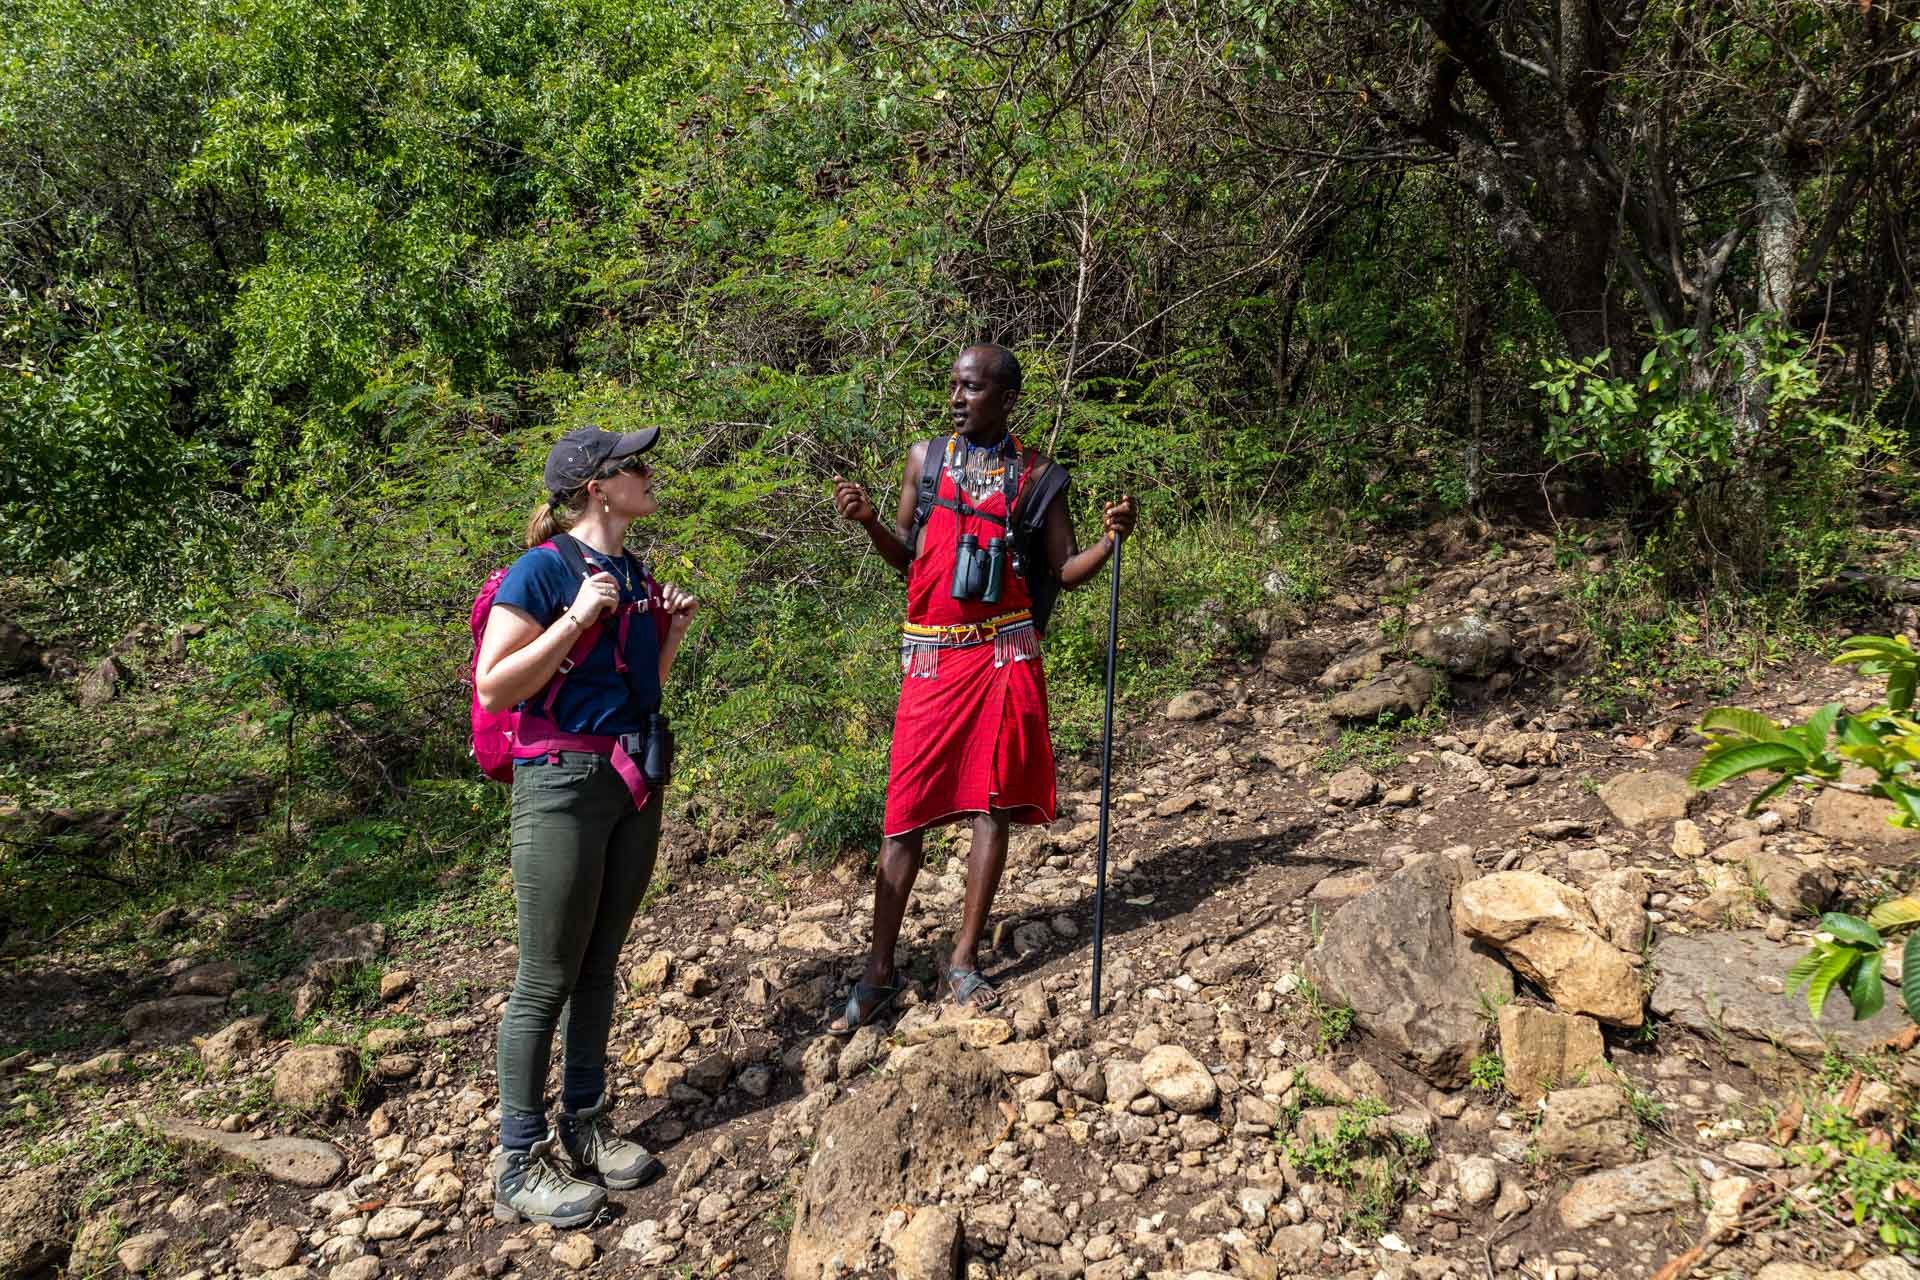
(986, 859)
(900, 858)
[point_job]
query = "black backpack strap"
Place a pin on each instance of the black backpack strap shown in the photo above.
(1030, 513)
(929, 488)
(571, 556)
(1029, 540)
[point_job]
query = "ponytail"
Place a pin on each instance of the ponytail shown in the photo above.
(540, 525)
(554, 514)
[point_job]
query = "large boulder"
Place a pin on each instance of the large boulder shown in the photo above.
(1405, 691)
(1413, 982)
(1469, 645)
(899, 1140)
(299, 1162)
(1548, 932)
(1728, 988)
(36, 1208)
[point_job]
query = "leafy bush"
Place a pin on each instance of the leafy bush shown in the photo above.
(1884, 739)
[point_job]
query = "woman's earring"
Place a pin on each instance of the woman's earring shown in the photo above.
(604, 508)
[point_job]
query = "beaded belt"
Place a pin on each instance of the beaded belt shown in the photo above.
(1012, 634)
(966, 633)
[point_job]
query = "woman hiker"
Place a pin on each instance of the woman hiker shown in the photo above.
(970, 738)
(586, 823)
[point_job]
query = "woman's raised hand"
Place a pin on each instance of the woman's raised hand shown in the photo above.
(678, 602)
(599, 592)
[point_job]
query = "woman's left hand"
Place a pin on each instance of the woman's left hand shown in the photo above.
(679, 603)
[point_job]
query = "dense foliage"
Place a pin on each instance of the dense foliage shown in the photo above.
(296, 294)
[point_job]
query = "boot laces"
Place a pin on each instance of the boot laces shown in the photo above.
(538, 1174)
(592, 1137)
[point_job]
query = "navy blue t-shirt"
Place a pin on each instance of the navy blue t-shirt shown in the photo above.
(596, 697)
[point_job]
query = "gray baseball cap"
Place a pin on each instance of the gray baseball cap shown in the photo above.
(585, 452)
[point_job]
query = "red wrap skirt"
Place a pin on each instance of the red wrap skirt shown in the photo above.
(972, 739)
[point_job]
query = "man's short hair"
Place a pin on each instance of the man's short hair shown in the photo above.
(1005, 366)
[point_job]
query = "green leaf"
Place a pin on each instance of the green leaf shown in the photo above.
(1856, 732)
(1820, 728)
(1895, 913)
(1726, 765)
(1742, 721)
(1838, 963)
(1773, 789)
(1900, 686)
(1867, 993)
(1910, 975)
(1852, 929)
(1807, 965)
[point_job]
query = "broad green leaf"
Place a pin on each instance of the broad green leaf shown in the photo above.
(1820, 727)
(1726, 765)
(1895, 913)
(1807, 965)
(1900, 686)
(1853, 929)
(1856, 731)
(1867, 993)
(1742, 721)
(1875, 649)
(1838, 963)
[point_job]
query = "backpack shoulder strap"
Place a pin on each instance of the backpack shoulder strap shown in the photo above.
(1030, 512)
(931, 465)
(570, 555)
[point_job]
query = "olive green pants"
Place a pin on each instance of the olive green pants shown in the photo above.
(582, 857)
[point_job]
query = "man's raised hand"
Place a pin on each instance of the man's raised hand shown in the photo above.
(851, 501)
(1119, 518)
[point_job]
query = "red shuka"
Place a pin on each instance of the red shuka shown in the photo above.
(972, 737)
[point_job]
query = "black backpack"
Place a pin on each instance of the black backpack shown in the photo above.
(1027, 518)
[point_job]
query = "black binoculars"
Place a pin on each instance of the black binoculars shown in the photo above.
(979, 573)
(653, 749)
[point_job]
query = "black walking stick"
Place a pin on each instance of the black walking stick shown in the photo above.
(1106, 776)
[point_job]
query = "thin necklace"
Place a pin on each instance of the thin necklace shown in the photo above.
(617, 567)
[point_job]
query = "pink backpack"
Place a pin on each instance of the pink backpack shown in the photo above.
(494, 732)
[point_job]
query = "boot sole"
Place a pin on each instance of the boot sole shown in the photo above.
(504, 1212)
(648, 1172)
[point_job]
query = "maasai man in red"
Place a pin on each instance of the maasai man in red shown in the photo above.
(970, 739)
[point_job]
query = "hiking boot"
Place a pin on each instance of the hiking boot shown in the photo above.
(595, 1148)
(527, 1187)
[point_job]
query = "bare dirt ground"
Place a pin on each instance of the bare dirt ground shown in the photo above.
(1239, 835)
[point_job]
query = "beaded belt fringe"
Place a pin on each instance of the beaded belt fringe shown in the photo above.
(1012, 634)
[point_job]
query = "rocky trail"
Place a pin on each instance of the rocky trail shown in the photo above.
(1496, 996)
